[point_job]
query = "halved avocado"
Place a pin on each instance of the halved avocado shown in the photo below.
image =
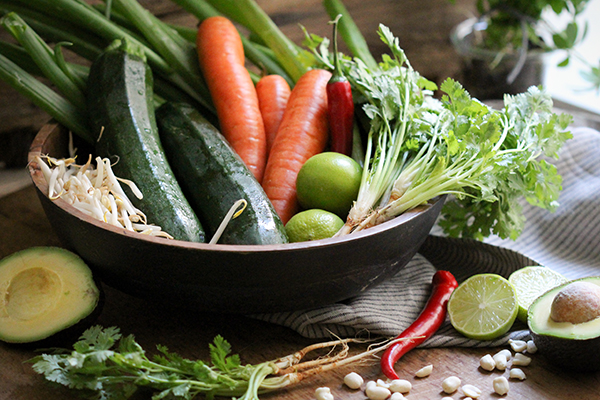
(45, 290)
(571, 345)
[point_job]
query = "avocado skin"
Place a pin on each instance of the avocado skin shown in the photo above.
(570, 354)
(578, 354)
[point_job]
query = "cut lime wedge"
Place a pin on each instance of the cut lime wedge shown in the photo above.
(483, 307)
(532, 282)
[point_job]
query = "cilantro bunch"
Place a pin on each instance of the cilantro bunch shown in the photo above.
(106, 365)
(518, 145)
(420, 147)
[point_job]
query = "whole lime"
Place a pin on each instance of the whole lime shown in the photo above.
(313, 224)
(329, 181)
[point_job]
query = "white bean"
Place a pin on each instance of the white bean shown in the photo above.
(521, 360)
(500, 385)
(501, 361)
(323, 393)
(446, 398)
(517, 373)
(375, 392)
(370, 384)
(506, 353)
(400, 386)
(353, 380)
(518, 346)
(397, 396)
(487, 362)
(382, 383)
(451, 384)
(531, 347)
(471, 391)
(424, 372)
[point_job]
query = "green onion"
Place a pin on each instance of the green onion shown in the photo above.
(350, 32)
(43, 56)
(19, 56)
(45, 98)
(86, 17)
(83, 43)
(179, 53)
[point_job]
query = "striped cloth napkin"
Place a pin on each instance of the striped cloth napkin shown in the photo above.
(567, 241)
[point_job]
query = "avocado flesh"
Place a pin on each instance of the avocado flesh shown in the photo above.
(44, 290)
(570, 346)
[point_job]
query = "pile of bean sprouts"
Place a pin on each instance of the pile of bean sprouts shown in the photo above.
(97, 192)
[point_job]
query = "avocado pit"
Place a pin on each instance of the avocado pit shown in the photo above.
(565, 324)
(578, 302)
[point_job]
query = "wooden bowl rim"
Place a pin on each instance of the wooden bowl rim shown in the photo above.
(39, 181)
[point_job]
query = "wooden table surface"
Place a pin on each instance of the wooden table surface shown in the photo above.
(423, 28)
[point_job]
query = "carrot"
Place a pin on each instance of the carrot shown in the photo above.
(303, 132)
(273, 93)
(221, 58)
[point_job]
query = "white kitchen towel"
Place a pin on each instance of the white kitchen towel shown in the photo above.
(567, 241)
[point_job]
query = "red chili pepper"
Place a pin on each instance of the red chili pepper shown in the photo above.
(428, 322)
(340, 106)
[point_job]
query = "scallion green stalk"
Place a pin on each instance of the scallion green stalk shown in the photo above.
(44, 57)
(19, 56)
(48, 100)
(350, 32)
(86, 17)
(178, 52)
(85, 44)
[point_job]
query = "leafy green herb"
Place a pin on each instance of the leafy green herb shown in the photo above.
(106, 365)
(103, 364)
(419, 148)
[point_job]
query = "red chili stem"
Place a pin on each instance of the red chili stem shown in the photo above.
(340, 105)
(426, 324)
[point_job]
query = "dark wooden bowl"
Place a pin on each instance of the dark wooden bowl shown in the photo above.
(231, 278)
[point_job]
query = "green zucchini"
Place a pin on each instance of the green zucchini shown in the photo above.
(121, 111)
(214, 177)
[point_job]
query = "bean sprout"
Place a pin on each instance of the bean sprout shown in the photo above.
(96, 192)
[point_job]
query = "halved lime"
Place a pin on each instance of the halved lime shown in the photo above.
(483, 307)
(313, 224)
(530, 283)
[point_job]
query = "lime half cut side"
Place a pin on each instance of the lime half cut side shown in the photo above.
(483, 307)
(532, 282)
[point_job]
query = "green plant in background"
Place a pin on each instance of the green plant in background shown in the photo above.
(516, 26)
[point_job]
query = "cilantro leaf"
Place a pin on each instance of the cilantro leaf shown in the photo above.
(220, 355)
